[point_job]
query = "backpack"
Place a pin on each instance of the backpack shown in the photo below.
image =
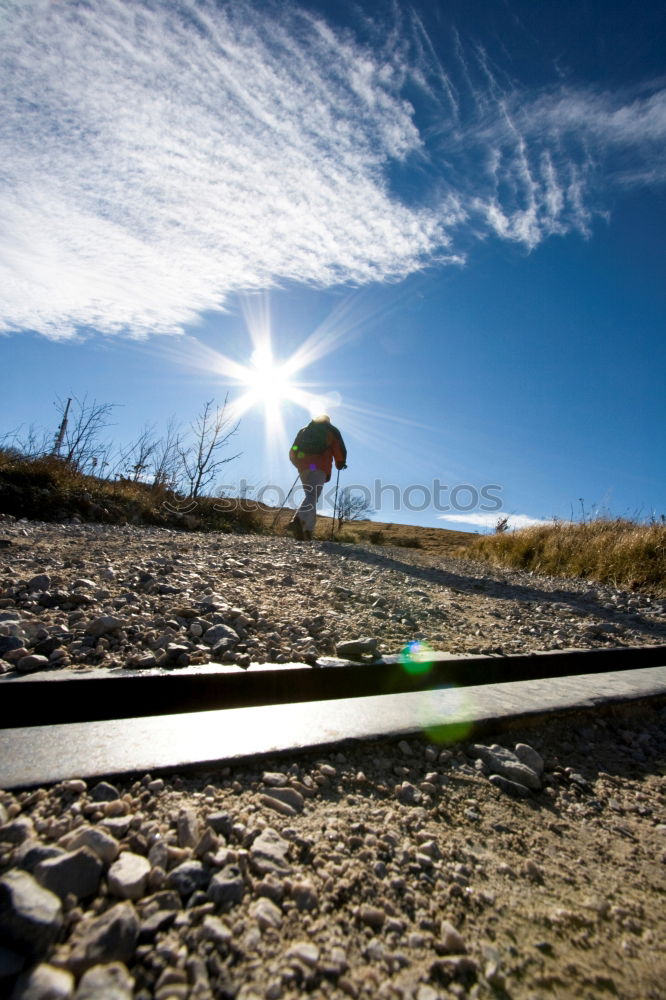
(311, 440)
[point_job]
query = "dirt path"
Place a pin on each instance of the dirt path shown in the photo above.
(101, 595)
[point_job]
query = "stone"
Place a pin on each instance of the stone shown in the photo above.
(128, 876)
(305, 895)
(40, 582)
(104, 792)
(104, 625)
(373, 916)
(267, 913)
(30, 915)
(102, 844)
(528, 755)
(32, 663)
(36, 852)
(227, 887)
(221, 822)
(277, 805)
(78, 872)
(356, 649)
(213, 929)
(8, 643)
(187, 877)
(17, 831)
(451, 941)
(161, 920)
(44, 982)
(106, 982)
(275, 779)
(187, 826)
(504, 762)
(220, 633)
(513, 788)
(110, 937)
(11, 963)
(305, 952)
(289, 796)
(268, 853)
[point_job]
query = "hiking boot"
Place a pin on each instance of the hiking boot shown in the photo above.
(307, 536)
(296, 529)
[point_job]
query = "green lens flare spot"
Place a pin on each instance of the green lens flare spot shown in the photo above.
(416, 658)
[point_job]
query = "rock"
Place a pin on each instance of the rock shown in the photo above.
(221, 822)
(44, 982)
(31, 663)
(187, 877)
(11, 963)
(373, 916)
(156, 922)
(104, 792)
(213, 929)
(513, 788)
(277, 805)
(106, 982)
(17, 831)
(220, 633)
(8, 643)
(110, 937)
(128, 876)
(267, 913)
(504, 762)
(528, 755)
(356, 649)
(36, 852)
(305, 895)
(305, 952)
(40, 582)
(290, 796)
(451, 941)
(407, 793)
(227, 887)
(104, 625)
(268, 853)
(77, 871)
(187, 826)
(30, 916)
(275, 779)
(102, 844)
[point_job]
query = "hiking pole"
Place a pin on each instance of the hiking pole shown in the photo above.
(275, 519)
(335, 506)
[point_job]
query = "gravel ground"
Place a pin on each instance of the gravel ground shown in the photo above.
(115, 596)
(392, 870)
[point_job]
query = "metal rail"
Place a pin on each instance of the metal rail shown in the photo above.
(68, 697)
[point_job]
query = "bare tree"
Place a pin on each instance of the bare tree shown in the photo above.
(166, 465)
(352, 508)
(30, 443)
(81, 437)
(134, 460)
(211, 431)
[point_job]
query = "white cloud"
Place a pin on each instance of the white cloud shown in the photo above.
(156, 158)
(488, 520)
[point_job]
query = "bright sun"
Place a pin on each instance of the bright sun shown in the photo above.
(267, 381)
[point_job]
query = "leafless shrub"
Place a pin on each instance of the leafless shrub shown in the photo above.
(200, 454)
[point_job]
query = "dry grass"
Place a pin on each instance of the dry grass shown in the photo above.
(49, 489)
(616, 551)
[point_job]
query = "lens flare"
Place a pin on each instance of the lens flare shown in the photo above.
(416, 658)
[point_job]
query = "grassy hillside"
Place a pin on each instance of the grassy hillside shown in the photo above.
(615, 551)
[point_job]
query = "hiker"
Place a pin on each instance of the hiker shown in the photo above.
(313, 451)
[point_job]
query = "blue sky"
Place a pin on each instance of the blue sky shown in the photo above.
(453, 213)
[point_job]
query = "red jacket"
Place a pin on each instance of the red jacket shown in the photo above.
(335, 449)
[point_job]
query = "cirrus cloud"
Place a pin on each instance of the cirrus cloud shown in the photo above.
(158, 157)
